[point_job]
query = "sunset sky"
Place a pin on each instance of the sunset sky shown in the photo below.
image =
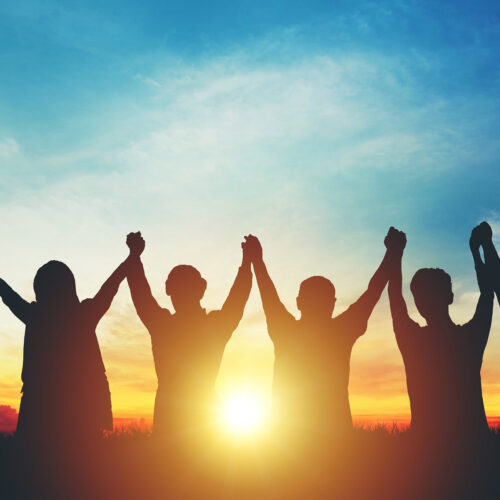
(313, 125)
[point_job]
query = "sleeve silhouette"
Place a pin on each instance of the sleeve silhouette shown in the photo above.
(14, 302)
(480, 323)
(145, 304)
(357, 315)
(103, 298)
(232, 311)
(402, 323)
(276, 313)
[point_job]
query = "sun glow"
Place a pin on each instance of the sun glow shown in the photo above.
(243, 413)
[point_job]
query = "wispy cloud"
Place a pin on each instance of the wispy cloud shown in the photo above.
(316, 152)
(8, 147)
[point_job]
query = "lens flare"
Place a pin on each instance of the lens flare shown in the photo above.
(242, 413)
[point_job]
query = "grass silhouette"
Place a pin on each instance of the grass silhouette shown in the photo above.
(378, 462)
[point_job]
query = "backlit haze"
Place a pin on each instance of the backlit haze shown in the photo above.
(313, 127)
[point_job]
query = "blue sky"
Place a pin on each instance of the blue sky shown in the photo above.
(314, 125)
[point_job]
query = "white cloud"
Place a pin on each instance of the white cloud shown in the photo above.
(8, 147)
(494, 221)
(228, 147)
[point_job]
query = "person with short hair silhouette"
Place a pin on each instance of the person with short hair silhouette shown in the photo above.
(442, 359)
(312, 354)
(65, 395)
(187, 345)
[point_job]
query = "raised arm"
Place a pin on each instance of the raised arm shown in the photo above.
(274, 309)
(492, 260)
(359, 312)
(481, 321)
(145, 304)
(401, 321)
(103, 298)
(232, 310)
(14, 301)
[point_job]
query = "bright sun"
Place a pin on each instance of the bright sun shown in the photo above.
(243, 413)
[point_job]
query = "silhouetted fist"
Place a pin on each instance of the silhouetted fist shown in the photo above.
(136, 243)
(252, 248)
(480, 235)
(395, 241)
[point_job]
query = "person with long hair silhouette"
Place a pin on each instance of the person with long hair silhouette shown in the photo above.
(65, 394)
(312, 354)
(442, 359)
(187, 345)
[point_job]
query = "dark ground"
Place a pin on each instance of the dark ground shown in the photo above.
(375, 463)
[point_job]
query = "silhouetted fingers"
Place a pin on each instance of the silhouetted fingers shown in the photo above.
(485, 230)
(135, 242)
(395, 239)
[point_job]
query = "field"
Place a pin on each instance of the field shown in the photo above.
(376, 463)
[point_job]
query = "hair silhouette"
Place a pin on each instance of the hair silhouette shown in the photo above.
(316, 297)
(185, 287)
(432, 292)
(54, 283)
(435, 279)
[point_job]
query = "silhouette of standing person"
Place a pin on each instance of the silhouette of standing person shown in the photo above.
(187, 345)
(442, 359)
(65, 395)
(312, 354)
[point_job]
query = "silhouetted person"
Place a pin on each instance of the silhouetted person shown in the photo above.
(187, 345)
(443, 360)
(65, 396)
(312, 354)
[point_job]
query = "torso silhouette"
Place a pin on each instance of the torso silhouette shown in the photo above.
(312, 355)
(66, 400)
(443, 372)
(311, 370)
(65, 390)
(187, 351)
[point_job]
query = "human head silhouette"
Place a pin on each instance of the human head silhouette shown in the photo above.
(185, 287)
(54, 284)
(432, 292)
(316, 298)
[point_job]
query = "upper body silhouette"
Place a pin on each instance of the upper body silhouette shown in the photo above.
(443, 360)
(187, 345)
(65, 394)
(312, 354)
